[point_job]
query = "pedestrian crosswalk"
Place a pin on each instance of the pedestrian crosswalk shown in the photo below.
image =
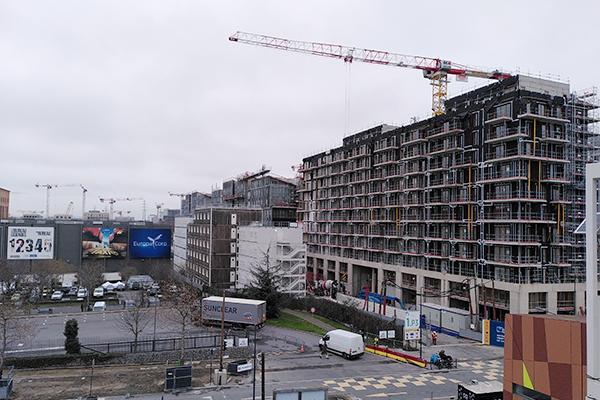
(387, 382)
(489, 370)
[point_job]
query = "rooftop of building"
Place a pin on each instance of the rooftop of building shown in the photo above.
(459, 106)
(4, 190)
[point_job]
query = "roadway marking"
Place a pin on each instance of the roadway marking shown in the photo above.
(385, 394)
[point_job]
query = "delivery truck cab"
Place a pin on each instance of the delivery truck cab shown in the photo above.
(346, 344)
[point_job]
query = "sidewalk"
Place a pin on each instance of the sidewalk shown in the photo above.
(309, 318)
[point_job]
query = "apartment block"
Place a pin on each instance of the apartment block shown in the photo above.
(474, 209)
(282, 248)
(180, 234)
(212, 245)
(4, 202)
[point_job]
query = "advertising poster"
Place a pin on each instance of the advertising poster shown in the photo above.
(150, 243)
(103, 242)
(30, 243)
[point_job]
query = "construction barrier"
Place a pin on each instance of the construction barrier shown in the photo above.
(394, 355)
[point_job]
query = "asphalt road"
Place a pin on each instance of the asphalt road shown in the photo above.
(369, 377)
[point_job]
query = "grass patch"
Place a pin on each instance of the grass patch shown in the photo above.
(290, 321)
(332, 323)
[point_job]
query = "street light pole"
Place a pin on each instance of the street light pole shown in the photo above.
(254, 365)
(421, 324)
(154, 330)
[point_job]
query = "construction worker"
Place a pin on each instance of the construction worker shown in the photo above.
(433, 338)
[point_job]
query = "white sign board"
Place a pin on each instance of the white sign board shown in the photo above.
(228, 343)
(30, 243)
(382, 334)
(243, 342)
(391, 334)
(244, 367)
(412, 325)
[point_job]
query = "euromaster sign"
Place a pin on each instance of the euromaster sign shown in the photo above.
(150, 243)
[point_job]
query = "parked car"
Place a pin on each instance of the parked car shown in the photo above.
(153, 301)
(130, 303)
(98, 292)
(99, 306)
(15, 297)
(346, 344)
(73, 291)
(57, 295)
(82, 293)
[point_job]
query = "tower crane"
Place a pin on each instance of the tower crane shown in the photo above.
(111, 201)
(49, 186)
(434, 69)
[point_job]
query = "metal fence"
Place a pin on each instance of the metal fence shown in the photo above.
(169, 344)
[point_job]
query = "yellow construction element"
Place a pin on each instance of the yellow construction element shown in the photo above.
(397, 217)
(439, 92)
(526, 379)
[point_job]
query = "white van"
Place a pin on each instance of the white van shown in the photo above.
(99, 306)
(346, 344)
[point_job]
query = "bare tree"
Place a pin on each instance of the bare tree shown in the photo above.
(90, 275)
(13, 328)
(135, 320)
(46, 272)
(184, 306)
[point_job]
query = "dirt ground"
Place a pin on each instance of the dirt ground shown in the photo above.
(108, 380)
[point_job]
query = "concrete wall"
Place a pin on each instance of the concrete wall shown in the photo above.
(286, 251)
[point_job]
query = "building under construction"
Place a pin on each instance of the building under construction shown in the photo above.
(475, 209)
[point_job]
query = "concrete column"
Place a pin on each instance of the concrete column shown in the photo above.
(374, 282)
(349, 284)
(337, 271)
(419, 287)
(515, 303)
(398, 284)
(523, 302)
(380, 276)
(579, 297)
(551, 301)
(445, 287)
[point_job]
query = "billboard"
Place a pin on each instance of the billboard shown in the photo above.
(150, 243)
(30, 243)
(104, 242)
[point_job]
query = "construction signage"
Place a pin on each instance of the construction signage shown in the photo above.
(412, 325)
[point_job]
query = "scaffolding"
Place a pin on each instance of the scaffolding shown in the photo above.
(583, 136)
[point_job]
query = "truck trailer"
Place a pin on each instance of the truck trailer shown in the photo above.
(238, 312)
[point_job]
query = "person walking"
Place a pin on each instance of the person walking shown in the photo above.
(324, 350)
(433, 338)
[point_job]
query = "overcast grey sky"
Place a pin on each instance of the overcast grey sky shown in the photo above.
(139, 98)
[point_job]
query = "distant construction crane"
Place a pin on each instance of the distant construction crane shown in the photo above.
(111, 201)
(158, 207)
(49, 186)
(434, 69)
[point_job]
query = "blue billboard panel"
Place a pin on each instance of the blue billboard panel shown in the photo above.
(497, 333)
(150, 243)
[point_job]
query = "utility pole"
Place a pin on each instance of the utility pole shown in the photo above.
(222, 333)
(92, 377)
(262, 375)
(421, 324)
(254, 368)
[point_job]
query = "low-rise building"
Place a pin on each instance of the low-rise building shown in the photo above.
(212, 247)
(280, 247)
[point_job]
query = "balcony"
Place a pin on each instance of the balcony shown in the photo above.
(515, 196)
(513, 239)
(522, 152)
(533, 261)
(544, 115)
(498, 135)
(514, 174)
(519, 217)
